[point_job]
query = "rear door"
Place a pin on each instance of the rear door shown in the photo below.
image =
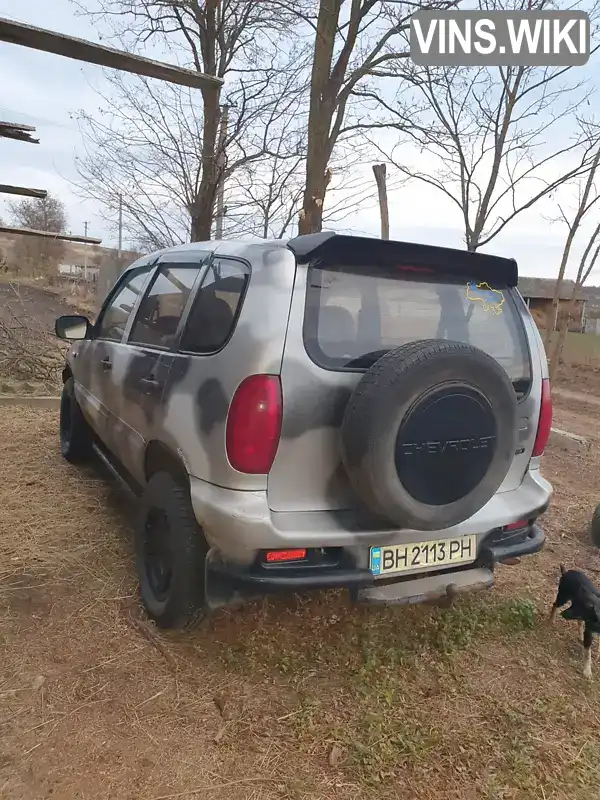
(142, 362)
(343, 319)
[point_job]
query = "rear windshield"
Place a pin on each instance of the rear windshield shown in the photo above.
(355, 315)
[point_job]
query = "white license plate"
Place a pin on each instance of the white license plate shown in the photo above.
(423, 555)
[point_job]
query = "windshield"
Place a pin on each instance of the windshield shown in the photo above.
(354, 315)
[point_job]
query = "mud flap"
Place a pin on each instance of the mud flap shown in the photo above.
(219, 592)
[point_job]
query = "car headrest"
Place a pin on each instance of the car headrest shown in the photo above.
(210, 323)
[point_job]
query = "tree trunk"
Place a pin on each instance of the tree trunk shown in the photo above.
(203, 208)
(317, 174)
(551, 316)
(322, 105)
(562, 337)
(311, 214)
(583, 274)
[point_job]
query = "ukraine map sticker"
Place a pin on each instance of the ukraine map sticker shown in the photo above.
(482, 292)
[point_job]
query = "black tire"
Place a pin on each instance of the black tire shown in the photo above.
(595, 528)
(429, 433)
(170, 554)
(76, 436)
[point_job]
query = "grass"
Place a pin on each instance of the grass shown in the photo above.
(581, 348)
(304, 697)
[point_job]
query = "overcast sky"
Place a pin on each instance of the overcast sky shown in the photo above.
(45, 90)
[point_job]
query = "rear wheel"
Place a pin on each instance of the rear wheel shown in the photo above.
(595, 528)
(170, 554)
(75, 434)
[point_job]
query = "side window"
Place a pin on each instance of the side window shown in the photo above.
(161, 309)
(216, 306)
(114, 317)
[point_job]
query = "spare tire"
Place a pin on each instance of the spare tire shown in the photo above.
(429, 433)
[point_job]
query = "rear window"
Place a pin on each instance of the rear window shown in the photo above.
(355, 315)
(216, 307)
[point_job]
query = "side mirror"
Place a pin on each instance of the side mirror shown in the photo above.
(72, 326)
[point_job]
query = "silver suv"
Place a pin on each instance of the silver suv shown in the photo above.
(329, 411)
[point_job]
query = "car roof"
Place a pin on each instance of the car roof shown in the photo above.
(225, 246)
(344, 248)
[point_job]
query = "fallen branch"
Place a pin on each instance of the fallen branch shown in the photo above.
(27, 350)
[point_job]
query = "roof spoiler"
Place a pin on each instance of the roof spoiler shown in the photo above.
(356, 250)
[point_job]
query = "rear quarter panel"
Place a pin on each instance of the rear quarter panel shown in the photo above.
(199, 388)
(308, 474)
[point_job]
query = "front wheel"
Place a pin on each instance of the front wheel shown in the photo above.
(170, 555)
(75, 434)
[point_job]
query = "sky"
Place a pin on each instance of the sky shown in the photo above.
(47, 91)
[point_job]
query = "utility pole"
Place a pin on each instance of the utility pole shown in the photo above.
(221, 164)
(85, 225)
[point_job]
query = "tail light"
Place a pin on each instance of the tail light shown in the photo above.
(277, 556)
(545, 421)
(254, 424)
(516, 526)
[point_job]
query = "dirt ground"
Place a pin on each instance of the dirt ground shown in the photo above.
(298, 698)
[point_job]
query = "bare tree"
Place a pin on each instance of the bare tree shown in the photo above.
(146, 148)
(235, 41)
(484, 136)
(48, 214)
(349, 48)
(587, 197)
(39, 254)
(584, 270)
(264, 197)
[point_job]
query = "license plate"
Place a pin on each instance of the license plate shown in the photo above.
(423, 555)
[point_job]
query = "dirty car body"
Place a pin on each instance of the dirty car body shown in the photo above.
(274, 389)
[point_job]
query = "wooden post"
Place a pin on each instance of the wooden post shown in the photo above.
(70, 47)
(41, 194)
(379, 170)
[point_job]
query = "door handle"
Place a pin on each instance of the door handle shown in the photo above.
(150, 384)
(106, 364)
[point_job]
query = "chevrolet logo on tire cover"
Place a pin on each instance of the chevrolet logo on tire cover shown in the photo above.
(449, 445)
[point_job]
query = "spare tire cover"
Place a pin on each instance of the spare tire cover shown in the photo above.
(429, 433)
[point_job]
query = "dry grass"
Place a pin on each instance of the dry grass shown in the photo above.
(296, 698)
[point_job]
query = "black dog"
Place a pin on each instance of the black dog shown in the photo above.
(576, 588)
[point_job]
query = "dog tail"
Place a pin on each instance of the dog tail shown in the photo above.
(562, 569)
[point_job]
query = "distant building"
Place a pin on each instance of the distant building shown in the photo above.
(538, 294)
(103, 263)
(79, 272)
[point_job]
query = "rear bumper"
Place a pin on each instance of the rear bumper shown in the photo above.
(230, 581)
(259, 579)
(239, 524)
(499, 547)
